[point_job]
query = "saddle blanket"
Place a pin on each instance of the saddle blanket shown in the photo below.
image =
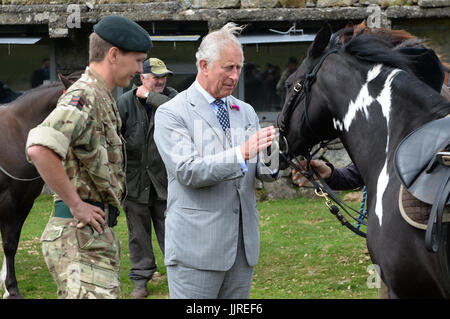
(416, 212)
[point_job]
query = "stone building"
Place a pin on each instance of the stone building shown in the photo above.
(32, 30)
(276, 30)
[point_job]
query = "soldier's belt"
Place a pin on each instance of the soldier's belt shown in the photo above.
(112, 212)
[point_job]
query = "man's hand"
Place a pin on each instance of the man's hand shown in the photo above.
(86, 214)
(323, 169)
(142, 92)
(50, 167)
(258, 142)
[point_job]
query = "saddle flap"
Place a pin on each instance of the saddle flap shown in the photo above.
(426, 186)
(414, 154)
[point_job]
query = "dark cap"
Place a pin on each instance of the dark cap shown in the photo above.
(124, 34)
(156, 67)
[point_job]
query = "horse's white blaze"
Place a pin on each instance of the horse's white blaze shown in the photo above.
(361, 104)
(384, 99)
(382, 182)
(385, 96)
(3, 277)
(374, 72)
(338, 124)
(362, 101)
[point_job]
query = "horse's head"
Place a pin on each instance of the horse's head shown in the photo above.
(38, 102)
(330, 93)
(70, 79)
(298, 121)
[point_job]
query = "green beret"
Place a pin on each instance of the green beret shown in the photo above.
(124, 34)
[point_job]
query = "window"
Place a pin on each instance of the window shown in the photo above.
(17, 63)
(265, 65)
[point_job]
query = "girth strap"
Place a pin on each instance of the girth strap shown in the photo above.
(434, 230)
(436, 235)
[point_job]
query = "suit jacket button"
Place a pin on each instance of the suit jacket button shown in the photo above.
(236, 211)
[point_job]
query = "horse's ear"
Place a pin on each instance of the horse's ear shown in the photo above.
(321, 41)
(349, 25)
(347, 34)
(360, 27)
(64, 81)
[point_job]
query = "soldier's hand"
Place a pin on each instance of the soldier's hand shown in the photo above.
(258, 142)
(88, 214)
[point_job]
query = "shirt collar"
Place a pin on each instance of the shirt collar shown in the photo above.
(206, 95)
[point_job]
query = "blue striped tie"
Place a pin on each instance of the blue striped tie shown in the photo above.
(224, 120)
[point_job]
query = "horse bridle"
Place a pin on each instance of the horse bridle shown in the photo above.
(303, 86)
(321, 189)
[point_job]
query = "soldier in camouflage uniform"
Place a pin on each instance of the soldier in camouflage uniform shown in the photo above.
(78, 151)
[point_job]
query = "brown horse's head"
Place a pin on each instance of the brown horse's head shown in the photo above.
(35, 104)
(70, 79)
(394, 37)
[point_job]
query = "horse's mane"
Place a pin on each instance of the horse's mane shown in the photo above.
(43, 87)
(32, 93)
(33, 96)
(395, 37)
(374, 49)
(398, 38)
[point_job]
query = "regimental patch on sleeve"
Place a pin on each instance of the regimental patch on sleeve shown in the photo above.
(77, 101)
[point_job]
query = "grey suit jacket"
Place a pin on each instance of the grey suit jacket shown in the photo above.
(206, 185)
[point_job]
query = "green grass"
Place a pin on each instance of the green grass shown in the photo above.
(305, 253)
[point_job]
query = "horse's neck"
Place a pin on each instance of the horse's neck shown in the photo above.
(373, 126)
(33, 109)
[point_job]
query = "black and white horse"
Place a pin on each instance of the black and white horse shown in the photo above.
(364, 93)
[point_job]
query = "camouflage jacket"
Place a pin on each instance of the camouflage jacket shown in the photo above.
(84, 130)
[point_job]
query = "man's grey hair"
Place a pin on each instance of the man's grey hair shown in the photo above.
(213, 43)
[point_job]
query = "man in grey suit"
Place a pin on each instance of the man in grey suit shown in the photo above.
(210, 144)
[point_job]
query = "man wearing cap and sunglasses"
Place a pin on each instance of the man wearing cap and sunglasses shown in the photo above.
(146, 174)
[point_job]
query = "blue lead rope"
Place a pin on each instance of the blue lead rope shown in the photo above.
(362, 211)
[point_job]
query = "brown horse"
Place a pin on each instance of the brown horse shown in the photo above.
(20, 183)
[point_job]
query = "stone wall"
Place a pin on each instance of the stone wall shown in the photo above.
(243, 4)
(57, 14)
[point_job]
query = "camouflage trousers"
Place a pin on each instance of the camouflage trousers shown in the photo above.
(83, 263)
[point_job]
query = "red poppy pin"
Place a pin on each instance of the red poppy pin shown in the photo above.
(235, 107)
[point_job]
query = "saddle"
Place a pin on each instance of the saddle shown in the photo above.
(422, 162)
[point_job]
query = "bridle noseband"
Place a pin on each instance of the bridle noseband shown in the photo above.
(321, 189)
